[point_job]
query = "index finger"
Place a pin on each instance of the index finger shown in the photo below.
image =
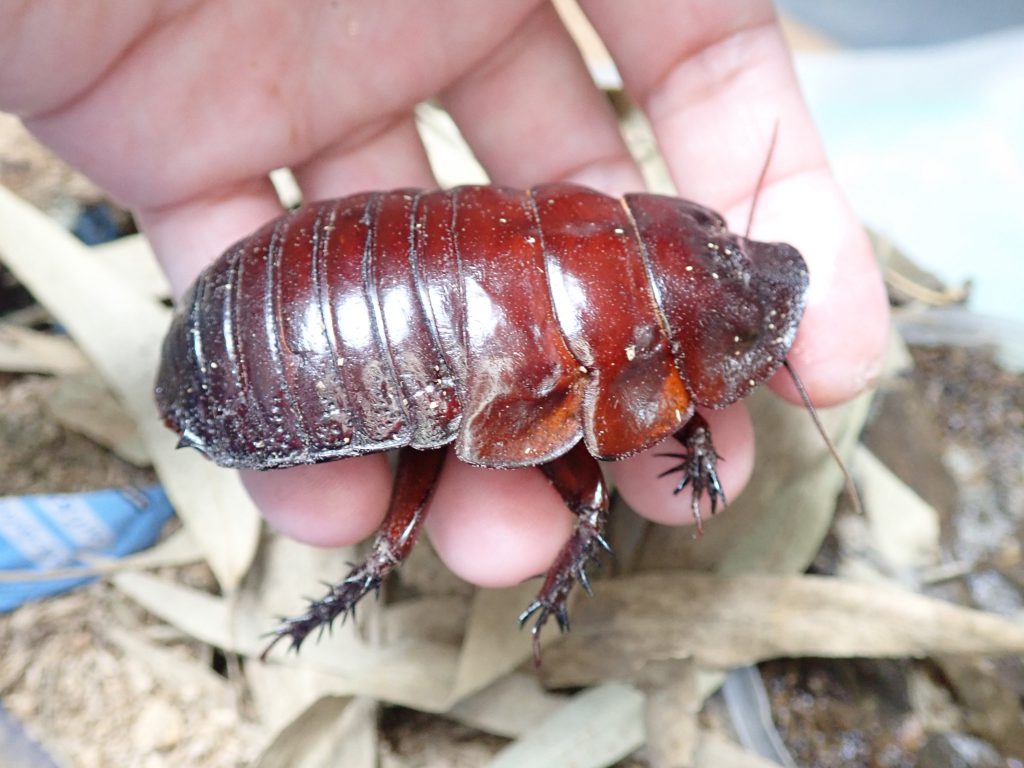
(714, 79)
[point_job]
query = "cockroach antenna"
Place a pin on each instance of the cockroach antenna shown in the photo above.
(761, 178)
(851, 489)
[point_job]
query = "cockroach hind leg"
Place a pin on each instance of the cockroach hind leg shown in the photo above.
(415, 477)
(553, 596)
(568, 569)
(699, 467)
(341, 600)
(578, 479)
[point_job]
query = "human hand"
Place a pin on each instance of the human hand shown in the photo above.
(180, 109)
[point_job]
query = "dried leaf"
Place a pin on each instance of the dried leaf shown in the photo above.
(23, 350)
(492, 647)
(671, 711)
(724, 622)
(121, 331)
(200, 615)
(595, 728)
(334, 731)
(450, 157)
(508, 707)
(904, 527)
(441, 618)
(410, 671)
(133, 259)
(282, 694)
(84, 404)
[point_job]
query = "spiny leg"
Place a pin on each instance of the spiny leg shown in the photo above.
(577, 477)
(414, 484)
(697, 464)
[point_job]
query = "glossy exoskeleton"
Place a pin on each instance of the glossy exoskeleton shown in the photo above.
(548, 327)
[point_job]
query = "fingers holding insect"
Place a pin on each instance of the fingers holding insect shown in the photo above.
(653, 481)
(327, 505)
(383, 155)
(494, 527)
(330, 504)
(188, 235)
(715, 81)
(839, 347)
(532, 114)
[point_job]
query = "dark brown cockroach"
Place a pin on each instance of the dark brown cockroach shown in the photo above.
(550, 327)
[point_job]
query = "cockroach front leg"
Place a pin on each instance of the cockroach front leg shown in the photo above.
(415, 479)
(698, 466)
(577, 477)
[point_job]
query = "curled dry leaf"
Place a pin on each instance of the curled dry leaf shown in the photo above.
(724, 622)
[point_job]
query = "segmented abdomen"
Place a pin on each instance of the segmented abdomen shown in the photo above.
(513, 322)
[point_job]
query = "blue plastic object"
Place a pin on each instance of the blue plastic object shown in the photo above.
(17, 748)
(41, 533)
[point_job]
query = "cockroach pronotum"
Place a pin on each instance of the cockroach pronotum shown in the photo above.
(552, 327)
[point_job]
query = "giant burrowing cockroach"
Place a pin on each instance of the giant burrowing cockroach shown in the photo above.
(550, 327)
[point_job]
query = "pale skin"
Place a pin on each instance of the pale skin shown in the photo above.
(180, 108)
